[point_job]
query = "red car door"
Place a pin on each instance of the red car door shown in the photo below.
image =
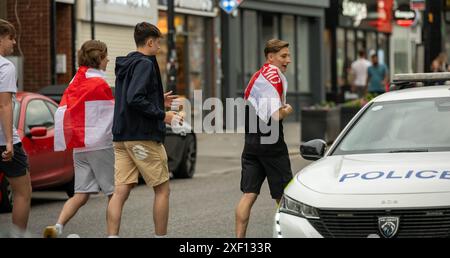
(45, 165)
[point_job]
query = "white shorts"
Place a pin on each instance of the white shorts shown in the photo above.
(94, 171)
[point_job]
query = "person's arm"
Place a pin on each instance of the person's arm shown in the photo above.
(283, 112)
(6, 119)
(386, 75)
(141, 86)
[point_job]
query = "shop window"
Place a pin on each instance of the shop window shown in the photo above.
(400, 55)
(360, 41)
(288, 34)
(303, 50)
(371, 43)
(340, 34)
(197, 52)
(383, 48)
(327, 53)
(181, 49)
(351, 46)
(250, 41)
(269, 30)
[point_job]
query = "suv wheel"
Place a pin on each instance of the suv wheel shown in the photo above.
(187, 166)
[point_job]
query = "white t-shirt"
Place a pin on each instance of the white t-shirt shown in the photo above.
(360, 68)
(8, 83)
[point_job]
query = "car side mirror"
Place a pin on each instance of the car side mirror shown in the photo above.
(37, 132)
(313, 150)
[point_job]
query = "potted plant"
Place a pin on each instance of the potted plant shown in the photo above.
(349, 109)
(320, 122)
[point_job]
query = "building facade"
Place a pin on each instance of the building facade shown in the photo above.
(196, 41)
(45, 52)
(113, 23)
(354, 25)
(407, 49)
(244, 34)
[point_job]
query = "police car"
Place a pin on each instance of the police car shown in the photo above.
(386, 176)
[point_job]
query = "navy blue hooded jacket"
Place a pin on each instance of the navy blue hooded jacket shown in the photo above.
(139, 109)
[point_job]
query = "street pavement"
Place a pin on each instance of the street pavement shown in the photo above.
(202, 207)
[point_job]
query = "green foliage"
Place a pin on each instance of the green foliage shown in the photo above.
(325, 105)
(359, 103)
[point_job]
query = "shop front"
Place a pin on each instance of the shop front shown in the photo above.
(354, 25)
(407, 49)
(299, 22)
(114, 24)
(196, 44)
(446, 26)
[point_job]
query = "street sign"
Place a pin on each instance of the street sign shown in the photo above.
(418, 5)
(230, 5)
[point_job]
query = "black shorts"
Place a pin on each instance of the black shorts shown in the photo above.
(18, 166)
(255, 169)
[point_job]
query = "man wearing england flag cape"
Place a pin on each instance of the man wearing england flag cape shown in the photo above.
(265, 152)
(83, 123)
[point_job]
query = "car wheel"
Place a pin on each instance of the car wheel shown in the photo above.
(6, 200)
(187, 165)
(70, 188)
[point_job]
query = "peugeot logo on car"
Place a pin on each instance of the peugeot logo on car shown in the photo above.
(388, 226)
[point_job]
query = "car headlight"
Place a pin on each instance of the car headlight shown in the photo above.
(293, 207)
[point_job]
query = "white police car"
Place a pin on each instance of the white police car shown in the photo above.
(387, 175)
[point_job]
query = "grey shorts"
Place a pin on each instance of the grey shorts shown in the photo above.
(94, 171)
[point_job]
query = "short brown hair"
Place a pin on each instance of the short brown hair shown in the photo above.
(7, 29)
(275, 46)
(144, 31)
(92, 53)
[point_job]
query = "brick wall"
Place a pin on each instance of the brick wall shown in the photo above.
(64, 39)
(34, 37)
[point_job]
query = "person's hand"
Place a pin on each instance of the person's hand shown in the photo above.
(288, 109)
(169, 99)
(173, 118)
(8, 154)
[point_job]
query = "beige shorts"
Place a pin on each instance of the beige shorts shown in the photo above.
(145, 157)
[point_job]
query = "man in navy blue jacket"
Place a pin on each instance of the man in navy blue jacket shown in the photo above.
(139, 129)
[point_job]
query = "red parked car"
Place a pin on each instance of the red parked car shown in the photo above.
(34, 120)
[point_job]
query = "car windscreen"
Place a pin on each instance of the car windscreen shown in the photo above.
(419, 125)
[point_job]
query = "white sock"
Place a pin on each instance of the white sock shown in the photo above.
(113, 237)
(59, 228)
(165, 236)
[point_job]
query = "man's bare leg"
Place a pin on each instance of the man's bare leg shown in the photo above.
(161, 208)
(243, 213)
(21, 188)
(115, 207)
(71, 207)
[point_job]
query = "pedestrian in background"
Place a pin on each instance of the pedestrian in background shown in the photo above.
(139, 129)
(359, 70)
(440, 63)
(83, 122)
(13, 160)
(266, 95)
(378, 76)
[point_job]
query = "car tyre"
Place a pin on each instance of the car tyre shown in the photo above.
(186, 168)
(6, 202)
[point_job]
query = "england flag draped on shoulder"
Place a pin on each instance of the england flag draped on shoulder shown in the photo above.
(267, 91)
(84, 117)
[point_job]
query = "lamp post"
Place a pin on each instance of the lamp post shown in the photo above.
(172, 51)
(92, 19)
